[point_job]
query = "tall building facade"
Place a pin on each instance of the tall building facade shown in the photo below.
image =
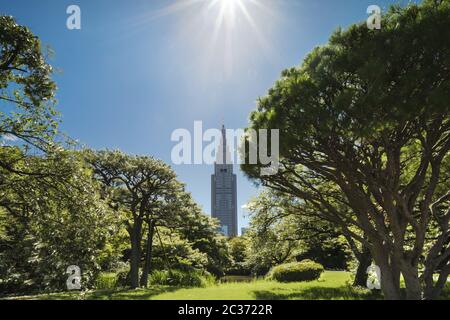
(224, 190)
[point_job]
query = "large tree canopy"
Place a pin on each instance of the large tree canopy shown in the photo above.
(369, 114)
(146, 194)
(134, 187)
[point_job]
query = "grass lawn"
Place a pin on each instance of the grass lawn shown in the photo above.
(333, 285)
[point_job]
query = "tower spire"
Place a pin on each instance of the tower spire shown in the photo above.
(223, 153)
(224, 145)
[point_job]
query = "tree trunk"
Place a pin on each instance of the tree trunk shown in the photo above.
(135, 236)
(389, 286)
(412, 283)
(364, 262)
(148, 255)
(390, 274)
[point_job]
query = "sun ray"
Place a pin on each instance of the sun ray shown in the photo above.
(262, 41)
(220, 35)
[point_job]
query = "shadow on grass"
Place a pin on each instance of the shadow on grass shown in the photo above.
(127, 294)
(340, 293)
(236, 279)
(113, 294)
(320, 293)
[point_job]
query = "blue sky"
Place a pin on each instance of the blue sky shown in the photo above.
(139, 69)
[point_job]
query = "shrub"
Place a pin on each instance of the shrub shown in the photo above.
(193, 278)
(106, 281)
(305, 270)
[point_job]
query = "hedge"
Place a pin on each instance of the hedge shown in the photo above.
(305, 270)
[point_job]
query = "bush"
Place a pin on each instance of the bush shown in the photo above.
(106, 281)
(305, 270)
(193, 278)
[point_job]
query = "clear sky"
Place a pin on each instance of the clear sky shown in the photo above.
(139, 69)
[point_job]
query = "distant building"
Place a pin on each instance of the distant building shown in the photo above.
(224, 190)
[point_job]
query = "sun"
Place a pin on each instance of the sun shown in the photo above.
(228, 5)
(223, 12)
(228, 9)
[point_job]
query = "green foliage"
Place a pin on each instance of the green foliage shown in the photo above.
(179, 278)
(330, 250)
(142, 191)
(51, 221)
(26, 87)
(272, 235)
(111, 257)
(271, 247)
(201, 231)
(173, 252)
(306, 270)
(106, 281)
(50, 214)
(239, 247)
(283, 229)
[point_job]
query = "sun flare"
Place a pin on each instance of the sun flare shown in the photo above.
(229, 8)
(220, 35)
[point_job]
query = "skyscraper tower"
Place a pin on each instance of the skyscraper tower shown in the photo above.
(224, 190)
